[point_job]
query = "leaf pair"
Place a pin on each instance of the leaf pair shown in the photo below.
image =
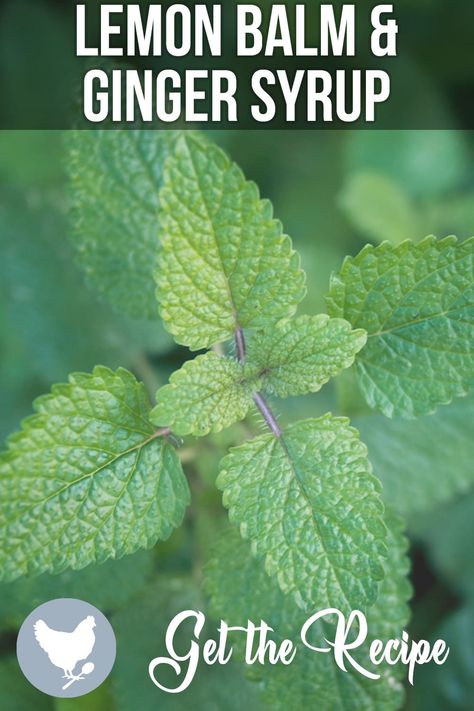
(306, 498)
(295, 357)
(225, 265)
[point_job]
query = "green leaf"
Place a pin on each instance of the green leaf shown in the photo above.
(206, 395)
(416, 301)
(379, 208)
(140, 631)
(115, 178)
(299, 355)
(86, 478)
(240, 590)
(224, 261)
(309, 504)
(425, 465)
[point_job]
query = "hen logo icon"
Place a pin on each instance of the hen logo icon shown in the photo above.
(66, 648)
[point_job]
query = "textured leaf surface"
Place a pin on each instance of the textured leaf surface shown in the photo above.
(416, 301)
(315, 680)
(299, 355)
(310, 505)
(379, 208)
(207, 394)
(140, 631)
(86, 479)
(115, 179)
(224, 261)
(423, 465)
(240, 590)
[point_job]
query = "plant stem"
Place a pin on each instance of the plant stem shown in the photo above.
(240, 344)
(267, 414)
(258, 398)
(162, 432)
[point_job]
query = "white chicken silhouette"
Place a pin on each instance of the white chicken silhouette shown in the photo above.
(66, 649)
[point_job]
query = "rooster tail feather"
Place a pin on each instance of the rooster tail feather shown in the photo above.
(41, 633)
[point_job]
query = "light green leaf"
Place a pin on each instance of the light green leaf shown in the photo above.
(240, 590)
(115, 179)
(425, 465)
(416, 301)
(299, 355)
(379, 208)
(224, 261)
(309, 504)
(206, 395)
(87, 478)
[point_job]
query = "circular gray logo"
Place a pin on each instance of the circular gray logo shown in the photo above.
(66, 647)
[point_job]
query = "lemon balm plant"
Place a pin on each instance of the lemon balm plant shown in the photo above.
(166, 220)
